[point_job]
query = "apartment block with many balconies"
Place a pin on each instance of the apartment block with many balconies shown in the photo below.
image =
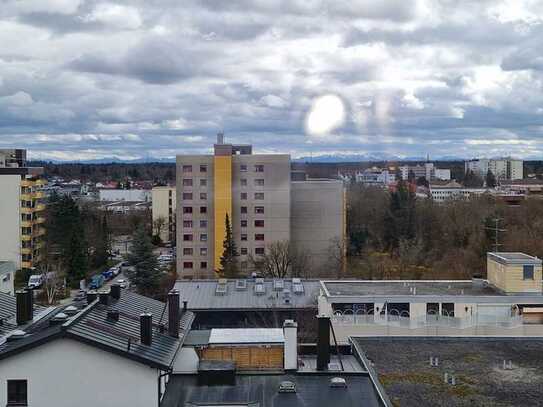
(257, 194)
(21, 210)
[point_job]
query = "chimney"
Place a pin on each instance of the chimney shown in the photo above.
(29, 305)
(103, 297)
(323, 342)
(146, 328)
(290, 331)
(173, 313)
(185, 306)
(22, 314)
(91, 296)
(115, 291)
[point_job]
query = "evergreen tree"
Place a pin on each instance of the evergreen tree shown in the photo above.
(399, 220)
(229, 263)
(146, 275)
(490, 180)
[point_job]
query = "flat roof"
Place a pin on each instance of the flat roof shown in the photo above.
(260, 390)
(513, 258)
(202, 295)
(403, 367)
(246, 335)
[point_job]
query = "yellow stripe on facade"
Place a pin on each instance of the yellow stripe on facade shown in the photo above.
(222, 200)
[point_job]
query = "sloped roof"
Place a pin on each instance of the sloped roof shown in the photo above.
(121, 337)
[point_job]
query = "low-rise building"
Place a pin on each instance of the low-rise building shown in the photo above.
(375, 177)
(7, 277)
(133, 195)
(117, 349)
(441, 192)
(124, 207)
(509, 302)
(164, 207)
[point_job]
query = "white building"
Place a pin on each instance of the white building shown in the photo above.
(453, 190)
(132, 195)
(108, 353)
(7, 277)
(427, 170)
(442, 174)
(508, 303)
(502, 168)
(376, 177)
(164, 205)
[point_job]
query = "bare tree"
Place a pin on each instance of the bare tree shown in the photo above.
(276, 261)
(158, 225)
(54, 282)
(337, 256)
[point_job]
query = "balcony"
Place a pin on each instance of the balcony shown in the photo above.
(26, 210)
(38, 232)
(39, 220)
(38, 195)
(26, 250)
(26, 197)
(27, 183)
(26, 264)
(40, 182)
(26, 223)
(26, 237)
(39, 207)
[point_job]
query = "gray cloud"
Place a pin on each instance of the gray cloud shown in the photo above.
(159, 77)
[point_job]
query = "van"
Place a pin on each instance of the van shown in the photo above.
(35, 281)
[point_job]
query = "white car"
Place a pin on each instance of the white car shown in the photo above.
(115, 270)
(122, 282)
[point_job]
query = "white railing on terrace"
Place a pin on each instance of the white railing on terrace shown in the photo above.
(432, 320)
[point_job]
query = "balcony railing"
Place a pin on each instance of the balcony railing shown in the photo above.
(403, 319)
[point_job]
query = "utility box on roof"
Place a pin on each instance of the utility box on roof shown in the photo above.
(514, 272)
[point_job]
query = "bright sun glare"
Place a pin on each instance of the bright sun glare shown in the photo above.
(326, 114)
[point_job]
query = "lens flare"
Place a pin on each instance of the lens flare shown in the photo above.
(327, 113)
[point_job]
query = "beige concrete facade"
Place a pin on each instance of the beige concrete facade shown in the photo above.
(260, 206)
(164, 207)
(514, 272)
(10, 219)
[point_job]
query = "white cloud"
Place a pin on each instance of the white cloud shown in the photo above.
(115, 15)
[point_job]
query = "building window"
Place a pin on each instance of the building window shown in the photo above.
(244, 196)
(187, 168)
(187, 196)
(243, 209)
(187, 264)
(259, 223)
(259, 168)
(187, 251)
(203, 182)
(203, 224)
(243, 167)
(243, 251)
(259, 196)
(259, 210)
(244, 223)
(259, 236)
(187, 237)
(203, 251)
(187, 182)
(187, 209)
(203, 265)
(203, 168)
(447, 309)
(259, 251)
(528, 272)
(243, 182)
(203, 237)
(203, 209)
(243, 237)
(187, 224)
(203, 196)
(17, 393)
(259, 182)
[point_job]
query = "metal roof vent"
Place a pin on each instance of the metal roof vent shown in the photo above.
(338, 382)
(287, 387)
(260, 289)
(59, 318)
(221, 288)
(113, 315)
(16, 335)
(71, 310)
(278, 285)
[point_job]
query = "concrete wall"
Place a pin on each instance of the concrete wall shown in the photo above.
(317, 217)
(7, 277)
(10, 219)
(125, 195)
(66, 373)
(276, 203)
(162, 208)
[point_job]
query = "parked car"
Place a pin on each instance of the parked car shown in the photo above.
(115, 270)
(97, 281)
(36, 281)
(108, 274)
(122, 282)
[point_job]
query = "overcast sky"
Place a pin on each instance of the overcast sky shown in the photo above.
(91, 79)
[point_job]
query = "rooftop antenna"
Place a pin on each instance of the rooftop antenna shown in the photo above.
(496, 229)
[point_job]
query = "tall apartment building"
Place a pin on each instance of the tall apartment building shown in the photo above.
(502, 168)
(164, 206)
(262, 203)
(21, 210)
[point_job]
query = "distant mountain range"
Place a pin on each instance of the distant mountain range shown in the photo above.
(325, 158)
